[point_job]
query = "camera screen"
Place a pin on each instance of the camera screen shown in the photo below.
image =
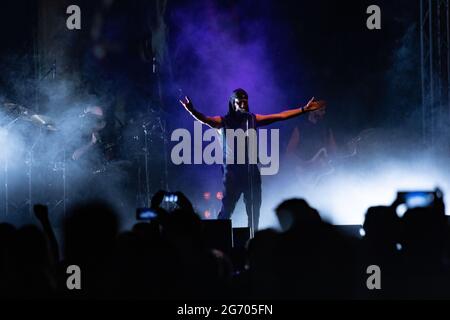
(145, 214)
(419, 199)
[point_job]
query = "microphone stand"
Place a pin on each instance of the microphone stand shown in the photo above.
(250, 179)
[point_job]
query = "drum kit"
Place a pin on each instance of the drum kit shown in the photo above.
(41, 170)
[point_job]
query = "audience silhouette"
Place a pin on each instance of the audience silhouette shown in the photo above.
(169, 257)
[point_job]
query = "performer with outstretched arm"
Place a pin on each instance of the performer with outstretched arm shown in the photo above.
(243, 178)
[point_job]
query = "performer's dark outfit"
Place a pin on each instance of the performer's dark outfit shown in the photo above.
(240, 178)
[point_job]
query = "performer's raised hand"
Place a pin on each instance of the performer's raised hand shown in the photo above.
(187, 103)
(157, 199)
(184, 202)
(213, 122)
(314, 105)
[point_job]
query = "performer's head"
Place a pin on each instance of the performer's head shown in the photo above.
(238, 102)
(94, 118)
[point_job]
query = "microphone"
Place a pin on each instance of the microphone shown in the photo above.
(244, 112)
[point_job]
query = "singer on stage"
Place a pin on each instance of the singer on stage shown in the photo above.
(243, 178)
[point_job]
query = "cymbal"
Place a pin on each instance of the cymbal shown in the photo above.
(29, 115)
(43, 121)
